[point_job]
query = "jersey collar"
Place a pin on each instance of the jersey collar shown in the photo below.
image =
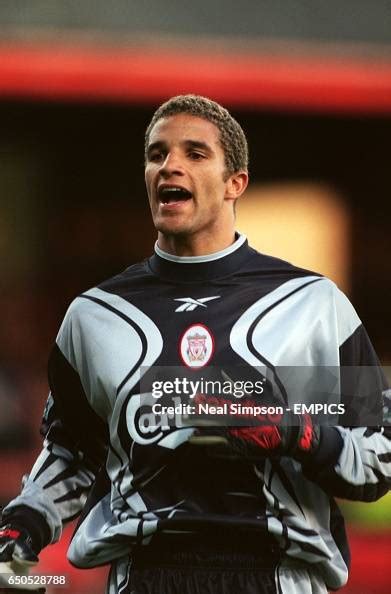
(198, 268)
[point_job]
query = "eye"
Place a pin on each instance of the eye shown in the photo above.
(155, 156)
(196, 156)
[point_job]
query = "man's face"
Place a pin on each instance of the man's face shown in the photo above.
(188, 189)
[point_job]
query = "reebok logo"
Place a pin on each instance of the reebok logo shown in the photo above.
(189, 304)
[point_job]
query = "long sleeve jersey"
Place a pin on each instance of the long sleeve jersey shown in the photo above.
(132, 476)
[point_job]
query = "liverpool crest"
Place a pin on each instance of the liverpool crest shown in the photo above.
(196, 346)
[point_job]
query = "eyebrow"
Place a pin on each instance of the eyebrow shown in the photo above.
(199, 144)
(195, 144)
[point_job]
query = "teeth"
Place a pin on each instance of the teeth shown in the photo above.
(167, 193)
(168, 190)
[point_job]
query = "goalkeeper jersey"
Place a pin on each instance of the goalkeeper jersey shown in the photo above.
(130, 475)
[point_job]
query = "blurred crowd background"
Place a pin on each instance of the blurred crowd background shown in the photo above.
(311, 84)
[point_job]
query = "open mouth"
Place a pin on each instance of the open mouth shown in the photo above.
(170, 194)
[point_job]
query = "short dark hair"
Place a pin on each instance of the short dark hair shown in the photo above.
(232, 137)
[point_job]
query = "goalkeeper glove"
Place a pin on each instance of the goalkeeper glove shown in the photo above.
(285, 434)
(20, 543)
(16, 544)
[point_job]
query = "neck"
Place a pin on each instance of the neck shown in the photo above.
(187, 245)
(200, 268)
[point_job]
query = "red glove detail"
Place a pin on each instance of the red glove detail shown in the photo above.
(307, 435)
(260, 435)
(267, 437)
(9, 532)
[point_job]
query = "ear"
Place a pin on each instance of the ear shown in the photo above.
(235, 185)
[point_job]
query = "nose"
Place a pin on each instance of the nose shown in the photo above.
(172, 165)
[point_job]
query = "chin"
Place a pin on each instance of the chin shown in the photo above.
(170, 228)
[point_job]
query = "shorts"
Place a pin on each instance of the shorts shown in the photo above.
(202, 572)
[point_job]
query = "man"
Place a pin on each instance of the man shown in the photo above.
(173, 507)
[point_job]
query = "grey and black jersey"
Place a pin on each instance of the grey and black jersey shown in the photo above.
(131, 479)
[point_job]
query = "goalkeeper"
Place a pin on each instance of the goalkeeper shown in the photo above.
(200, 509)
